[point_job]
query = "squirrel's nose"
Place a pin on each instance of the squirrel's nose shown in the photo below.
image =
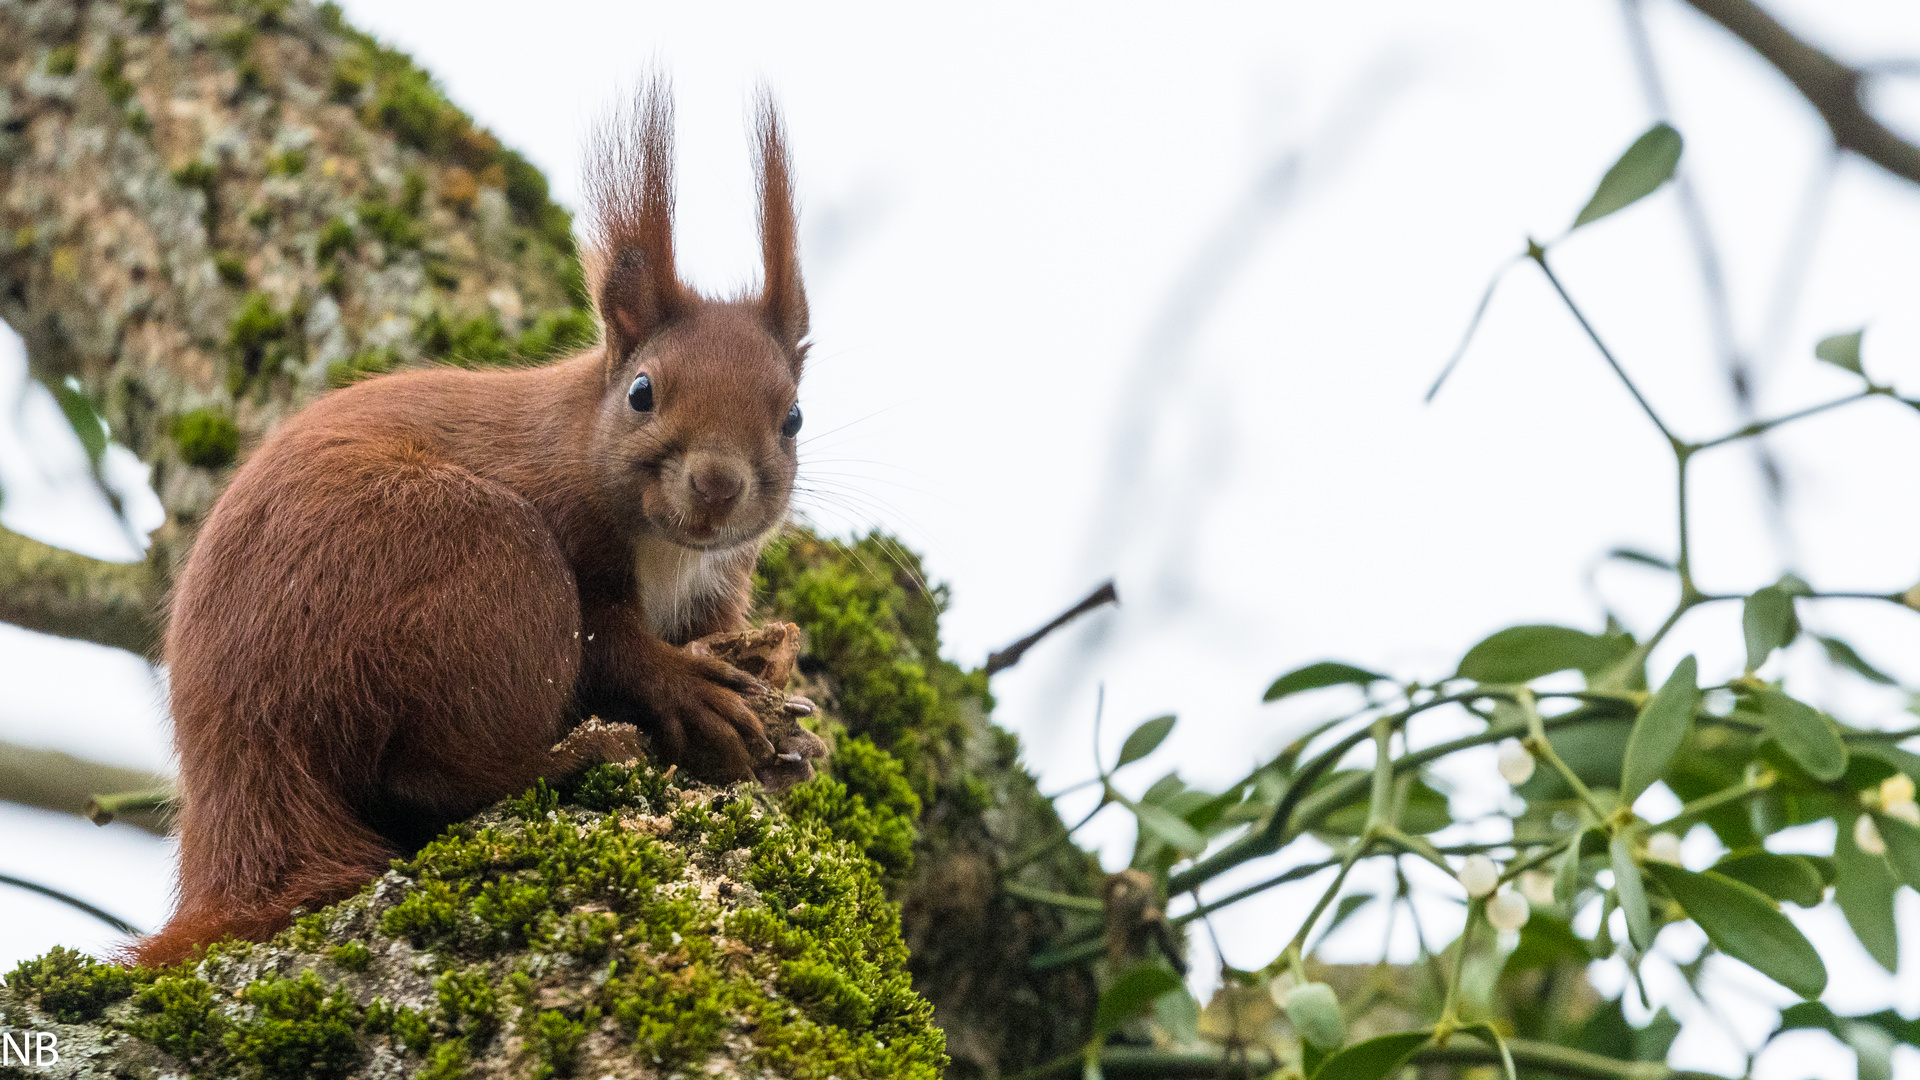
(717, 485)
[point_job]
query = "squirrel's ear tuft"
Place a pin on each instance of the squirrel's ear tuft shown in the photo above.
(782, 296)
(629, 181)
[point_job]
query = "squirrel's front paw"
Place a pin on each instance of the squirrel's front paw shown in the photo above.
(795, 750)
(704, 721)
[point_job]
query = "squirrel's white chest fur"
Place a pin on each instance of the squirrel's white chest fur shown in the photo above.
(676, 583)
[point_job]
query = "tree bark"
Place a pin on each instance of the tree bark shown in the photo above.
(1831, 87)
(53, 591)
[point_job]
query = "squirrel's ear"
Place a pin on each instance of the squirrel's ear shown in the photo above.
(629, 178)
(782, 296)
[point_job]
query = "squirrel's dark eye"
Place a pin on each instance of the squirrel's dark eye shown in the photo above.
(791, 425)
(640, 396)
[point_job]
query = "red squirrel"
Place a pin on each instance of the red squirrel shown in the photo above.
(415, 586)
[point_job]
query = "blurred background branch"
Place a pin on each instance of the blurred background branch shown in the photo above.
(51, 780)
(57, 592)
(1831, 87)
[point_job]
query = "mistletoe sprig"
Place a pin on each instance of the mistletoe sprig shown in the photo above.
(1745, 758)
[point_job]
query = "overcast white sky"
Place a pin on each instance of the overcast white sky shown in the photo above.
(1008, 209)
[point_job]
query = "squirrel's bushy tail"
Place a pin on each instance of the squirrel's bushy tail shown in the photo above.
(313, 852)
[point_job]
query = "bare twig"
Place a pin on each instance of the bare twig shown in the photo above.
(61, 782)
(104, 809)
(1831, 87)
(1009, 656)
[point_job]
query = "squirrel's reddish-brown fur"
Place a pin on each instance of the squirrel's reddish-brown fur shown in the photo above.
(412, 588)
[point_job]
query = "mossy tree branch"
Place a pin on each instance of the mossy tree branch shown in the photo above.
(57, 592)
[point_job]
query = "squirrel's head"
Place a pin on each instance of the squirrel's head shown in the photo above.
(695, 437)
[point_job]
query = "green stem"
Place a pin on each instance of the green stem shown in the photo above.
(1707, 804)
(1314, 808)
(1379, 800)
(1900, 735)
(1539, 255)
(1056, 899)
(1449, 1010)
(1493, 1034)
(1558, 1060)
(1683, 562)
(1515, 869)
(1537, 745)
(1143, 1063)
(1346, 863)
(1057, 842)
(1415, 846)
(1760, 427)
(1295, 874)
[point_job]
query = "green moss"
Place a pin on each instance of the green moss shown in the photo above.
(826, 991)
(389, 224)
(351, 956)
(258, 338)
(231, 268)
(475, 340)
(144, 13)
(309, 932)
(361, 365)
(197, 175)
(298, 1028)
(207, 438)
(535, 803)
(428, 913)
(349, 79)
(584, 935)
(555, 333)
(335, 237)
(874, 625)
(411, 106)
(448, 1061)
(63, 60)
(615, 787)
(177, 1013)
(440, 273)
(236, 43)
(802, 976)
(555, 1038)
(70, 985)
(469, 1002)
(289, 163)
(111, 72)
(874, 808)
(409, 1027)
(513, 909)
(413, 192)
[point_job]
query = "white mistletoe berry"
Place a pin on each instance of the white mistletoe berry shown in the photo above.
(1897, 788)
(1866, 836)
(1516, 764)
(1508, 910)
(1479, 876)
(1537, 887)
(1664, 847)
